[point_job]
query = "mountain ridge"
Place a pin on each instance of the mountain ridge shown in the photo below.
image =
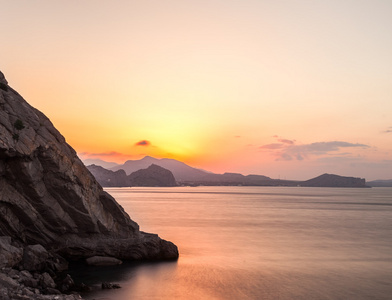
(380, 183)
(151, 176)
(180, 170)
(200, 177)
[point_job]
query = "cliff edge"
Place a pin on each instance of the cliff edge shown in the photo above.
(48, 197)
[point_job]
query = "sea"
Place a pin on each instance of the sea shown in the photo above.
(265, 243)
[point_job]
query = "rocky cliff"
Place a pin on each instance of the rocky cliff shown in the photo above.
(48, 197)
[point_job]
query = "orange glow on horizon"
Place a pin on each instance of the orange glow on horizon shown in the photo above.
(222, 86)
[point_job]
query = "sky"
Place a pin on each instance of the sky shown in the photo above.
(287, 89)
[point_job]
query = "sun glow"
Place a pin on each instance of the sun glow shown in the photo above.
(211, 83)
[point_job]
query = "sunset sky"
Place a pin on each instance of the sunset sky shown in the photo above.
(286, 89)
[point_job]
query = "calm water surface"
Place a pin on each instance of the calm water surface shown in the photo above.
(259, 243)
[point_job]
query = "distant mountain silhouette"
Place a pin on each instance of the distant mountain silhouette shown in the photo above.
(107, 178)
(99, 162)
(187, 175)
(330, 180)
(180, 170)
(152, 176)
(380, 183)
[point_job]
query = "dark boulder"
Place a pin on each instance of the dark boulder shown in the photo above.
(103, 261)
(109, 286)
(10, 255)
(34, 258)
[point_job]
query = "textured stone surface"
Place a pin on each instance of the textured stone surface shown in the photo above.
(48, 197)
(23, 285)
(10, 255)
(34, 258)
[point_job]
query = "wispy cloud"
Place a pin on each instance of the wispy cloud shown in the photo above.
(324, 147)
(287, 150)
(101, 154)
(143, 143)
(272, 146)
(388, 130)
(111, 155)
(285, 141)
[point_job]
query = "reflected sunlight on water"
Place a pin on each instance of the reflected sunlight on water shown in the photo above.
(259, 243)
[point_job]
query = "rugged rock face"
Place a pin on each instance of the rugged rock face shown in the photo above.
(32, 272)
(48, 197)
(23, 285)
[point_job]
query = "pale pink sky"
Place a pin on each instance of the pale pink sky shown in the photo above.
(288, 89)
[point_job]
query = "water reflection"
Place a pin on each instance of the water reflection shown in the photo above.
(259, 243)
(133, 277)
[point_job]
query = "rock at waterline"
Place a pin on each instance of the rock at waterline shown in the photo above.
(52, 207)
(109, 286)
(48, 197)
(103, 261)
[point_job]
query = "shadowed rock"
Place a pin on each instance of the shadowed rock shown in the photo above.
(103, 261)
(9, 254)
(48, 197)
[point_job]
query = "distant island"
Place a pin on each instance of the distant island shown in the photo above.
(150, 171)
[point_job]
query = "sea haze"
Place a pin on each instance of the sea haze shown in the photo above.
(258, 243)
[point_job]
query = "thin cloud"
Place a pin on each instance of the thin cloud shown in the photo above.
(272, 146)
(286, 151)
(284, 157)
(389, 130)
(101, 154)
(110, 155)
(143, 143)
(285, 141)
(341, 159)
(325, 147)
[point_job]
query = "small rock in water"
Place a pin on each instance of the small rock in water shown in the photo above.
(67, 283)
(85, 288)
(109, 286)
(103, 261)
